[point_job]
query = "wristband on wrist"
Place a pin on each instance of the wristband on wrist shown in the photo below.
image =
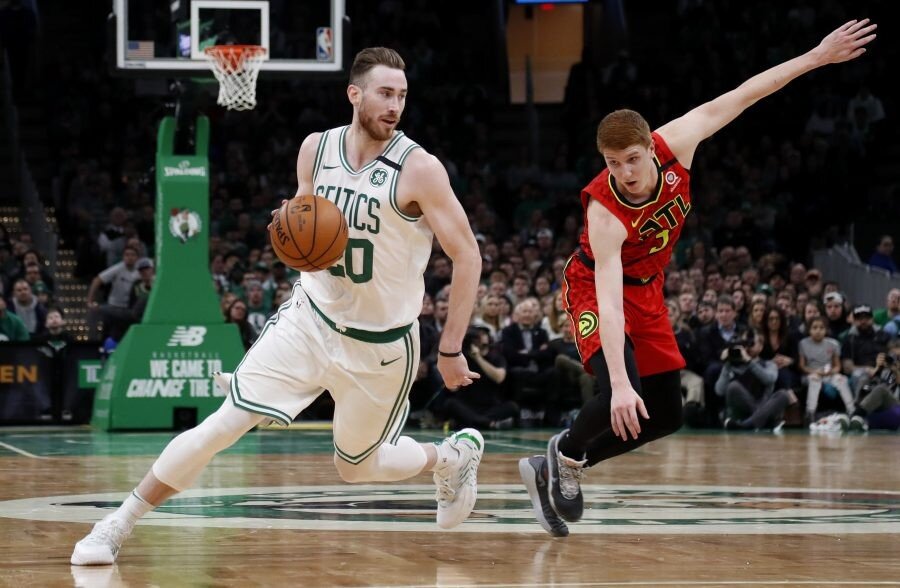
(444, 354)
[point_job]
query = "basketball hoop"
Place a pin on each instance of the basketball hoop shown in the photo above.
(236, 67)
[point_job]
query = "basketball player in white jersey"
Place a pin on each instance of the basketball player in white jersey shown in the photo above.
(351, 329)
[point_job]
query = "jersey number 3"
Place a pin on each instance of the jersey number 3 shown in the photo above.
(663, 236)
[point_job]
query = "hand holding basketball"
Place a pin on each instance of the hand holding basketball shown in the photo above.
(308, 233)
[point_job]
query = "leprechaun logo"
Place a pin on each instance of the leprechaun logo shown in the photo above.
(378, 177)
(184, 224)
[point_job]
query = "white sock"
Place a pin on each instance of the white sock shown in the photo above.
(447, 456)
(133, 508)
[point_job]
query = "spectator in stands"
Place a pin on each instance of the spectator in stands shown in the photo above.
(111, 241)
(861, 347)
(819, 359)
(756, 318)
(32, 274)
(883, 255)
(747, 383)
(553, 316)
(711, 341)
(257, 310)
(890, 313)
(481, 404)
(779, 347)
(487, 316)
(569, 369)
(11, 326)
(31, 258)
(439, 275)
(813, 283)
(27, 307)
(691, 382)
(140, 291)
(237, 314)
(120, 277)
(879, 404)
(836, 315)
(530, 362)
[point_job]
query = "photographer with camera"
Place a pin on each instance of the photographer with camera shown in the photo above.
(879, 404)
(481, 404)
(747, 383)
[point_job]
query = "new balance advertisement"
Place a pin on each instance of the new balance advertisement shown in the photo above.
(159, 377)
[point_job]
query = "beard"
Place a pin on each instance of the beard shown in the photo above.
(372, 126)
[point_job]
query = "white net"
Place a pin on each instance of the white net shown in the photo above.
(236, 67)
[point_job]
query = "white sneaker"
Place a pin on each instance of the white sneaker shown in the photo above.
(223, 381)
(101, 546)
(457, 485)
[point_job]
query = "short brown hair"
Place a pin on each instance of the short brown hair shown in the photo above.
(621, 129)
(370, 57)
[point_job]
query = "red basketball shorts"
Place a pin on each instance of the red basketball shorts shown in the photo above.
(646, 320)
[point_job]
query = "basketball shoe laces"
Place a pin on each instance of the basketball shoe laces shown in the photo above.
(109, 534)
(571, 474)
(444, 480)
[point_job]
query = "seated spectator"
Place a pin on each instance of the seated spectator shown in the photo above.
(691, 382)
(888, 318)
(120, 277)
(836, 315)
(883, 255)
(27, 307)
(879, 404)
(861, 348)
(31, 258)
(530, 360)
(819, 359)
(553, 316)
(487, 316)
(576, 386)
(11, 326)
(711, 341)
(747, 383)
(779, 347)
(140, 291)
(481, 404)
(237, 314)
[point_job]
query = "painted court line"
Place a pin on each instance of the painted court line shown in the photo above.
(21, 451)
(674, 583)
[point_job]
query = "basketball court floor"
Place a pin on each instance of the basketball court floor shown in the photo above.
(692, 510)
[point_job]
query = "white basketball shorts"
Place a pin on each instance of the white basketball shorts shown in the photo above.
(300, 353)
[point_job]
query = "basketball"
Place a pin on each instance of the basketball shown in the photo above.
(309, 233)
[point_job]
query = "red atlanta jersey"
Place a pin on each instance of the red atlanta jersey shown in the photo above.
(654, 225)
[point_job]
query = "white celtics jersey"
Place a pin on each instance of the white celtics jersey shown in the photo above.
(379, 283)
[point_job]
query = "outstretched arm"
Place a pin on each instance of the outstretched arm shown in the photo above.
(685, 133)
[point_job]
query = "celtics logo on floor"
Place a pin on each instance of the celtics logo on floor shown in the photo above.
(501, 508)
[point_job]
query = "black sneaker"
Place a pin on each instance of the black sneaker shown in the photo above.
(565, 481)
(530, 469)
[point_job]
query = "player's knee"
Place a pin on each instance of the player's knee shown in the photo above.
(355, 473)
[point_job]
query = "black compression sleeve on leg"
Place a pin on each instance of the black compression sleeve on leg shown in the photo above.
(594, 418)
(662, 398)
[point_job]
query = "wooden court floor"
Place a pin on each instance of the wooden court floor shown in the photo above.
(710, 509)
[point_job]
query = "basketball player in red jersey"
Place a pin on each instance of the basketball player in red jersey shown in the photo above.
(634, 213)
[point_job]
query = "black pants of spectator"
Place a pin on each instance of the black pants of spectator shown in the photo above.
(713, 403)
(754, 412)
(535, 390)
(591, 434)
(464, 415)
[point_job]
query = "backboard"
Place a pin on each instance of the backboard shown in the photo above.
(166, 38)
